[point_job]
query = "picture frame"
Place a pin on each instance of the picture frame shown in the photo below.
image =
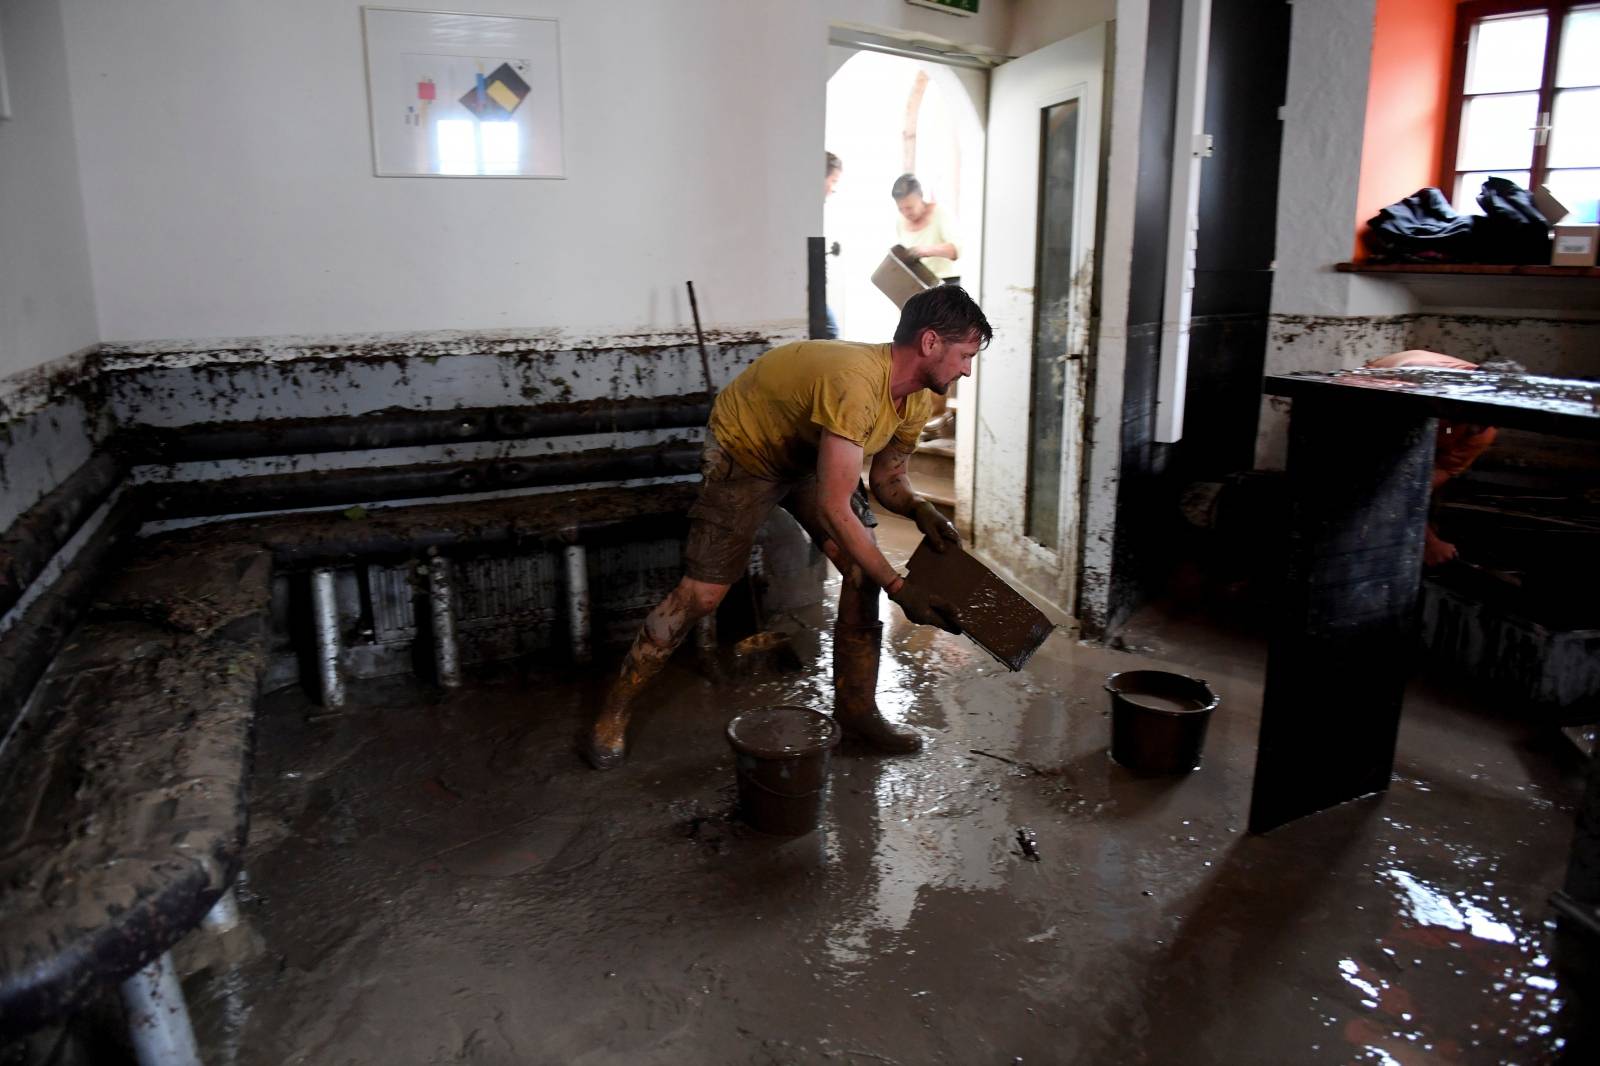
(451, 94)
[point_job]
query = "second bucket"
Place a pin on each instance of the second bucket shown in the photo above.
(782, 755)
(1158, 720)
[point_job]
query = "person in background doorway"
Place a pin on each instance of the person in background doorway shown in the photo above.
(792, 430)
(832, 169)
(1456, 447)
(926, 230)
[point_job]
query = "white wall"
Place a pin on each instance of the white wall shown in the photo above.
(46, 300)
(228, 185)
(1330, 55)
(1036, 23)
(229, 188)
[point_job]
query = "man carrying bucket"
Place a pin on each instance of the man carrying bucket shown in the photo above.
(793, 430)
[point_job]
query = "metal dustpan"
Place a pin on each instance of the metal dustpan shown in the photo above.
(997, 617)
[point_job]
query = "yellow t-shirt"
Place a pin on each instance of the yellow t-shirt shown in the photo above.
(772, 416)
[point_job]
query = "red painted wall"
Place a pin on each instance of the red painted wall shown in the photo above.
(1407, 96)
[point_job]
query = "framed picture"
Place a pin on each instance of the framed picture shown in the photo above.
(453, 95)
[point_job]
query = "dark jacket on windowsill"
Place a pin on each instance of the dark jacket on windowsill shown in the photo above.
(1424, 228)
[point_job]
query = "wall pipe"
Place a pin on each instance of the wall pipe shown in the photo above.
(158, 1017)
(392, 429)
(441, 603)
(325, 488)
(41, 531)
(325, 613)
(576, 559)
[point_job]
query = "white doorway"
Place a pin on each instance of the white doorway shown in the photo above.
(1023, 474)
(889, 115)
(886, 116)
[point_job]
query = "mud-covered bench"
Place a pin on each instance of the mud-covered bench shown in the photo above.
(124, 816)
(124, 787)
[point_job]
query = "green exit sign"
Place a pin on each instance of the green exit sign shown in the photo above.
(954, 7)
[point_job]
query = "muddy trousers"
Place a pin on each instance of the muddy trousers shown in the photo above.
(857, 647)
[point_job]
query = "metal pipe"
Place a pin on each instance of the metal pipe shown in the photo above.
(577, 565)
(223, 917)
(42, 530)
(441, 601)
(393, 429)
(323, 488)
(705, 636)
(158, 1018)
(41, 628)
(325, 612)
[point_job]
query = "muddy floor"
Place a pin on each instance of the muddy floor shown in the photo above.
(438, 878)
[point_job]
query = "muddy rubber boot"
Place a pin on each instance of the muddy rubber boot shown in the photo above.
(856, 649)
(607, 743)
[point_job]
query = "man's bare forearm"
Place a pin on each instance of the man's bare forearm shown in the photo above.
(891, 482)
(846, 530)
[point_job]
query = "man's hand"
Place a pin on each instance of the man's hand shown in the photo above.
(925, 609)
(939, 530)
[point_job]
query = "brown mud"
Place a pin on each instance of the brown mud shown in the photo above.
(441, 879)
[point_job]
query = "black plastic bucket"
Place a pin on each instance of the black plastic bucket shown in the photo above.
(1158, 720)
(781, 755)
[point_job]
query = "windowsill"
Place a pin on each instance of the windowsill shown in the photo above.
(1490, 269)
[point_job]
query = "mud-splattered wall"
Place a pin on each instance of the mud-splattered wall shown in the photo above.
(203, 432)
(51, 419)
(282, 423)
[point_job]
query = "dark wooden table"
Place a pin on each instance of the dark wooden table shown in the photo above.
(1360, 461)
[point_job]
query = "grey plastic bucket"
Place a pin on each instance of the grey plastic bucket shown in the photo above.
(781, 755)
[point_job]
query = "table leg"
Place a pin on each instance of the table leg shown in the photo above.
(1579, 898)
(1343, 638)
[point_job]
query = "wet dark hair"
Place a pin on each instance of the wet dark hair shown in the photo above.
(906, 185)
(948, 311)
(833, 164)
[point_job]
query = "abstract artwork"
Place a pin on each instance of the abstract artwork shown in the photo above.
(455, 95)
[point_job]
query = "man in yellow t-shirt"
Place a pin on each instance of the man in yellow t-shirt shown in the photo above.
(792, 430)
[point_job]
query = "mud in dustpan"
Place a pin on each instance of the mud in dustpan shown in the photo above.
(997, 618)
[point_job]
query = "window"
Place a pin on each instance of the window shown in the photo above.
(1526, 101)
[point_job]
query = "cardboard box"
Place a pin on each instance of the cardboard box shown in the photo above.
(900, 277)
(1575, 245)
(1552, 209)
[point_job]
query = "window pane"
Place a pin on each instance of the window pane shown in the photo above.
(1575, 136)
(1579, 59)
(1506, 54)
(1579, 191)
(1497, 131)
(1465, 201)
(1052, 314)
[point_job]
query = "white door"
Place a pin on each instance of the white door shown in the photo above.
(1025, 460)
